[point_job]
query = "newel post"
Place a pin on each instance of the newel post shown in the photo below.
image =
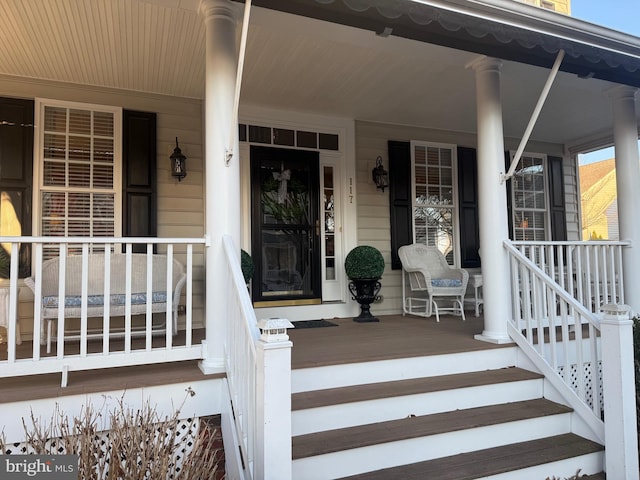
(273, 400)
(620, 431)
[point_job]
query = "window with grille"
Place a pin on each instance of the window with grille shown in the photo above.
(529, 196)
(434, 202)
(79, 170)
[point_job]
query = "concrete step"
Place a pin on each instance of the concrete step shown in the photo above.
(552, 457)
(353, 450)
(335, 408)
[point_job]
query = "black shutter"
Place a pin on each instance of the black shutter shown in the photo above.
(556, 199)
(16, 167)
(400, 198)
(468, 199)
(139, 176)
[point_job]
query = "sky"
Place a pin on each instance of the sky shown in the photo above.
(620, 15)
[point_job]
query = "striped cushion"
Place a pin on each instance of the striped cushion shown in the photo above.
(51, 301)
(446, 282)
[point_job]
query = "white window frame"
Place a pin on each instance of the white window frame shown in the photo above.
(515, 219)
(454, 199)
(38, 160)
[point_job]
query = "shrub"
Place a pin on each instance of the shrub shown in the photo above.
(246, 263)
(364, 262)
(138, 445)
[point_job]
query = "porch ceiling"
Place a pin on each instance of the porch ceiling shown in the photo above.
(293, 62)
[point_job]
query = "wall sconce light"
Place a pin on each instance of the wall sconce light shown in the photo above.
(380, 175)
(178, 163)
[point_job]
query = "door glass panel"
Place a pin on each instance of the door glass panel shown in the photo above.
(286, 227)
(329, 224)
(285, 266)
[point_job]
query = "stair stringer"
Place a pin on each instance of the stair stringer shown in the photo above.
(585, 423)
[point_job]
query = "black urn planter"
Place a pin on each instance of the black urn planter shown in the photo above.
(365, 292)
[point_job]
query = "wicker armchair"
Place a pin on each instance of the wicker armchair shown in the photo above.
(433, 286)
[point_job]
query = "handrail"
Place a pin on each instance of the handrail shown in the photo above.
(549, 325)
(242, 334)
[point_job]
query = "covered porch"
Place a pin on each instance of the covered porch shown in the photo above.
(457, 78)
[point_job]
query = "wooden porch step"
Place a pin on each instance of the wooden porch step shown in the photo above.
(361, 393)
(493, 461)
(331, 441)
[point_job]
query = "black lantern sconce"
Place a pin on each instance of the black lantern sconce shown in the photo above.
(380, 175)
(178, 163)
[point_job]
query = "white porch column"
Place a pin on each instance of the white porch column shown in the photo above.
(222, 183)
(492, 202)
(625, 137)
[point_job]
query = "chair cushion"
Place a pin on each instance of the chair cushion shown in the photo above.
(51, 301)
(446, 282)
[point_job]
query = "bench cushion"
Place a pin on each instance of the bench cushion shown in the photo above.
(446, 282)
(51, 301)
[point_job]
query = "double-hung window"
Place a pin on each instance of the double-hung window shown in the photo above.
(529, 199)
(78, 170)
(434, 197)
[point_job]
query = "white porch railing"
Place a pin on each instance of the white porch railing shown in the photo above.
(102, 353)
(547, 324)
(586, 357)
(591, 271)
(258, 367)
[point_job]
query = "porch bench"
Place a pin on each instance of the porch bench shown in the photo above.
(117, 294)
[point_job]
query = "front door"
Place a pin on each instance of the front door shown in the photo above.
(285, 227)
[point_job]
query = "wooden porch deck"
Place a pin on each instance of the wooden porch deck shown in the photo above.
(394, 336)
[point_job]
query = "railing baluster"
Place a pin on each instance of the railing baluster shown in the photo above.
(593, 306)
(551, 307)
(127, 302)
(609, 265)
(580, 276)
(169, 292)
(106, 295)
(189, 297)
(11, 309)
(84, 279)
(580, 373)
(596, 387)
(148, 319)
(37, 303)
(62, 275)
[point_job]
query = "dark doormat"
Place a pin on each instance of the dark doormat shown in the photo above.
(314, 324)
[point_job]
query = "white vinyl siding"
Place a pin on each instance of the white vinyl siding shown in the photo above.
(78, 164)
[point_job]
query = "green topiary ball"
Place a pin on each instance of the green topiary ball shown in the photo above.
(246, 263)
(364, 261)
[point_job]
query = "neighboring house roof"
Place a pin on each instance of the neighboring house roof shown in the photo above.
(598, 191)
(593, 172)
